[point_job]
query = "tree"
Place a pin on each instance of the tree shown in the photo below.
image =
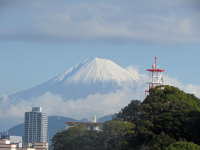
(67, 140)
(167, 111)
(158, 123)
(160, 142)
(90, 140)
(183, 145)
(116, 134)
(193, 128)
(130, 113)
(164, 114)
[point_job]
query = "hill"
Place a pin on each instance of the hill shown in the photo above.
(167, 119)
(105, 118)
(166, 116)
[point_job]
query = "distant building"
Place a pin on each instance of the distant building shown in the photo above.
(16, 140)
(5, 144)
(35, 127)
(93, 125)
(41, 146)
(13, 139)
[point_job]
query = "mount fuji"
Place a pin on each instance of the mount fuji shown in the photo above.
(94, 87)
(89, 77)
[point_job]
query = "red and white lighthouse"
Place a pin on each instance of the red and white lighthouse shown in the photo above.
(155, 77)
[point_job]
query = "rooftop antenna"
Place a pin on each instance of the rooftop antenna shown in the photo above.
(155, 77)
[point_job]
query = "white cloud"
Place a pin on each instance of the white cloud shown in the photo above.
(134, 72)
(97, 104)
(189, 88)
(109, 21)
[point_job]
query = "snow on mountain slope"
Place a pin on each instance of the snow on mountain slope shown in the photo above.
(89, 77)
(97, 70)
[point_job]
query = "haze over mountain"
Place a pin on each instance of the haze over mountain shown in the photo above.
(89, 77)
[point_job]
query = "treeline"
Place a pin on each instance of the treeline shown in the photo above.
(167, 119)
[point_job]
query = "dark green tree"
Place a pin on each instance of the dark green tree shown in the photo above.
(117, 133)
(160, 142)
(130, 113)
(165, 117)
(193, 128)
(67, 140)
(183, 145)
(167, 113)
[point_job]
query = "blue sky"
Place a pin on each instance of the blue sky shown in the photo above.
(40, 39)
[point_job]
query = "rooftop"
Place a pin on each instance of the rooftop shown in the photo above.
(83, 123)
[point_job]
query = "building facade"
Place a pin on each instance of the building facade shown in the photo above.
(6, 144)
(97, 126)
(35, 127)
(93, 125)
(16, 140)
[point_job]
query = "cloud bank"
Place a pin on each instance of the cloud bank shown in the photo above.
(172, 21)
(97, 104)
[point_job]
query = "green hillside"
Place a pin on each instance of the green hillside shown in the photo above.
(167, 119)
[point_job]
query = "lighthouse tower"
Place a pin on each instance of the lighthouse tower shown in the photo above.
(155, 76)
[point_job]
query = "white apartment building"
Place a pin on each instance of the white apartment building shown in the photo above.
(93, 125)
(35, 127)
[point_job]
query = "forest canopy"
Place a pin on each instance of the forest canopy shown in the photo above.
(167, 119)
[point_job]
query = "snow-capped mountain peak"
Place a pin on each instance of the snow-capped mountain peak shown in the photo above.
(96, 70)
(89, 77)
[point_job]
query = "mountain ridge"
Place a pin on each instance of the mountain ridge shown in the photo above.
(88, 77)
